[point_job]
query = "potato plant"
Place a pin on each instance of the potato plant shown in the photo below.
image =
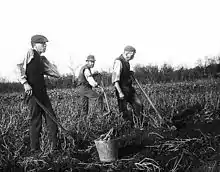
(158, 149)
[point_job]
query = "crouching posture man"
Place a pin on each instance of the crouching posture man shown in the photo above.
(86, 82)
(32, 71)
(122, 80)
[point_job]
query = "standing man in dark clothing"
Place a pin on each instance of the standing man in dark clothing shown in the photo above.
(86, 82)
(122, 80)
(32, 71)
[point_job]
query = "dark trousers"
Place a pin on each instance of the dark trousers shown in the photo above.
(36, 114)
(131, 98)
(86, 95)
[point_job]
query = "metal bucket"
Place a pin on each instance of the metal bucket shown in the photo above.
(107, 150)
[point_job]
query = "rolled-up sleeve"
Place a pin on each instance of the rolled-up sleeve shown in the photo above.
(49, 68)
(90, 78)
(117, 67)
(23, 66)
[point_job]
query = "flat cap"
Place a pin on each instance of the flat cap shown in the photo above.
(90, 58)
(130, 48)
(39, 39)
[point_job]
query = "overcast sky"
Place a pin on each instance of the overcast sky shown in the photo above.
(178, 32)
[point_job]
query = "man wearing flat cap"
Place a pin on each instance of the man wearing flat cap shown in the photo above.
(86, 83)
(122, 81)
(32, 71)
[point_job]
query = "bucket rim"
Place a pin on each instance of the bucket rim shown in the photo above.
(98, 140)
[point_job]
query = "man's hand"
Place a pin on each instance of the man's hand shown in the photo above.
(121, 95)
(101, 88)
(27, 89)
(96, 74)
(132, 73)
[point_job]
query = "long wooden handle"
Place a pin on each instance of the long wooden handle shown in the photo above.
(49, 114)
(106, 100)
(148, 98)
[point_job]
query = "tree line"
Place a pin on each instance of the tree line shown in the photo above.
(146, 74)
(210, 68)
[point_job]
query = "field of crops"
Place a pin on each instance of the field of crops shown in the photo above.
(193, 145)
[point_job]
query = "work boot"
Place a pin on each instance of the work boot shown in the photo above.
(55, 152)
(127, 116)
(35, 153)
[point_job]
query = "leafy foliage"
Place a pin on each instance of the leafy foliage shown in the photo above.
(191, 147)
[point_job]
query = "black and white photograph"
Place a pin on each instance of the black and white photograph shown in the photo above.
(110, 86)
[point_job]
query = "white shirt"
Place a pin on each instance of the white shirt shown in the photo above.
(117, 68)
(49, 68)
(90, 78)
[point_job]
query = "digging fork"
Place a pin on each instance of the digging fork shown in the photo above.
(106, 100)
(149, 100)
(67, 132)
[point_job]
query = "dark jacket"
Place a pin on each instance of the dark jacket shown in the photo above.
(82, 79)
(35, 74)
(125, 78)
(125, 81)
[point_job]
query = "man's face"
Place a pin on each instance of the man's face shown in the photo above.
(90, 63)
(129, 55)
(40, 47)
